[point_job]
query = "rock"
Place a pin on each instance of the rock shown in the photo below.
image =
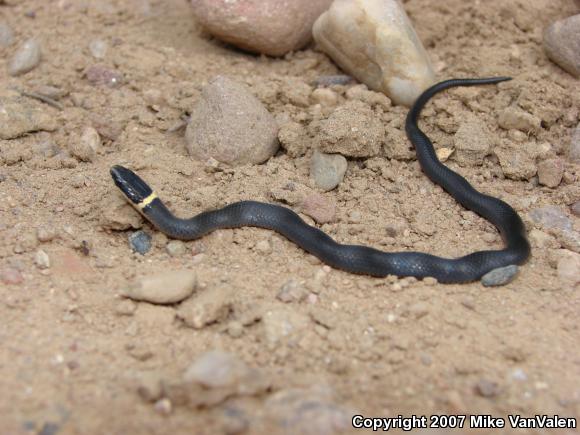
(419, 310)
(562, 44)
(18, 117)
(551, 216)
(282, 325)
(9, 275)
(117, 214)
(574, 150)
(550, 172)
(291, 291)
(374, 41)
(212, 305)
(325, 97)
(216, 369)
(230, 125)
(26, 58)
(500, 276)
(46, 233)
(126, 308)
(473, 142)
(569, 268)
(98, 48)
(140, 242)
(292, 139)
(513, 117)
(352, 130)
(319, 208)
(41, 259)
(150, 387)
(327, 170)
(516, 164)
(6, 35)
(575, 209)
(87, 146)
(308, 411)
(487, 388)
(101, 75)
(175, 248)
(263, 26)
(163, 288)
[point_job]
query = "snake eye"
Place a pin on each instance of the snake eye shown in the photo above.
(132, 186)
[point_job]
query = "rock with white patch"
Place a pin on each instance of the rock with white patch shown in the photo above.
(374, 41)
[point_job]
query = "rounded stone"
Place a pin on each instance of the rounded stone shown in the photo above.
(327, 170)
(270, 27)
(163, 288)
(231, 126)
(26, 58)
(374, 41)
(562, 44)
(500, 276)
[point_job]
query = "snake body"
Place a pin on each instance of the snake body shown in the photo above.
(356, 258)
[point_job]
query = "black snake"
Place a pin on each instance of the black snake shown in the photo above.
(356, 258)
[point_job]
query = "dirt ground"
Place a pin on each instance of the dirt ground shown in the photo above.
(77, 358)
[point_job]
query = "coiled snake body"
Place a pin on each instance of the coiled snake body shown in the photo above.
(356, 258)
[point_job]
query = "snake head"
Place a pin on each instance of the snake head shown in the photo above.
(132, 186)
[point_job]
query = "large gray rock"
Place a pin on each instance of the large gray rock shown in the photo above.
(230, 125)
(562, 44)
(271, 27)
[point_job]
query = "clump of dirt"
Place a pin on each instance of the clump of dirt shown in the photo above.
(75, 352)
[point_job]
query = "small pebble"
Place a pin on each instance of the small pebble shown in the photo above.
(235, 329)
(102, 75)
(519, 375)
(487, 388)
(45, 233)
(512, 117)
(264, 246)
(163, 288)
(332, 80)
(163, 406)
(140, 242)
(6, 35)
(98, 48)
(419, 310)
(212, 305)
(216, 369)
(150, 387)
(561, 44)
(20, 116)
(500, 276)
(10, 275)
(176, 248)
(87, 146)
(126, 307)
(41, 259)
(319, 208)
(26, 58)
(292, 291)
(551, 216)
(550, 172)
(574, 148)
(327, 170)
(569, 268)
(575, 209)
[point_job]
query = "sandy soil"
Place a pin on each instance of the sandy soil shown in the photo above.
(73, 352)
